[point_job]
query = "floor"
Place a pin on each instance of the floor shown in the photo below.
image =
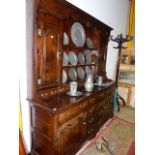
(127, 113)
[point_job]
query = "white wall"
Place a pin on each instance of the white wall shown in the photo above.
(114, 13)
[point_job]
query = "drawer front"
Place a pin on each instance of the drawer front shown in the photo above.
(93, 128)
(69, 114)
(92, 101)
(41, 121)
(91, 111)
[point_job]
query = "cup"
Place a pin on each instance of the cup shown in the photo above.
(73, 87)
(100, 80)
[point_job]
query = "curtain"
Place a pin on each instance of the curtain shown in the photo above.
(19, 114)
(131, 27)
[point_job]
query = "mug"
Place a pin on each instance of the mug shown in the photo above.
(100, 80)
(73, 87)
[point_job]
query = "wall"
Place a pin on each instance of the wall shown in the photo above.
(114, 13)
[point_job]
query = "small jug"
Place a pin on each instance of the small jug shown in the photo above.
(89, 79)
(89, 84)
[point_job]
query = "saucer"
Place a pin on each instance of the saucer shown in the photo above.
(101, 85)
(88, 90)
(78, 93)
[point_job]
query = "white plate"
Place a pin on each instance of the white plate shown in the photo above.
(88, 70)
(65, 39)
(94, 69)
(72, 74)
(78, 34)
(65, 59)
(81, 73)
(72, 58)
(64, 76)
(78, 93)
(88, 59)
(86, 52)
(101, 85)
(89, 43)
(81, 58)
(95, 52)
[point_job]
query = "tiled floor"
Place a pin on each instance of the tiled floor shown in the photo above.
(126, 113)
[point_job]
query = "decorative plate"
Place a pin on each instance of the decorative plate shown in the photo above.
(89, 43)
(65, 58)
(81, 73)
(65, 39)
(88, 70)
(72, 74)
(94, 69)
(89, 58)
(72, 58)
(64, 76)
(78, 34)
(87, 52)
(81, 58)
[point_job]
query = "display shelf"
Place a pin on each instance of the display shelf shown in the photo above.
(93, 64)
(126, 81)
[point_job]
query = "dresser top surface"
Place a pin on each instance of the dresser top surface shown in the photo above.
(60, 102)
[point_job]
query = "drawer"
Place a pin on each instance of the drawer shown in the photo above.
(91, 111)
(91, 119)
(69, 114)
(92, 101)
(94, 128)
(90, 131)
(100, 105)
(102, 95)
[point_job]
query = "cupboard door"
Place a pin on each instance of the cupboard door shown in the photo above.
(48, 50)
(48, 70)
(72, 134)
(50, 53)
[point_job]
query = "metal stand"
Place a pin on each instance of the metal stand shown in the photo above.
(120, 40)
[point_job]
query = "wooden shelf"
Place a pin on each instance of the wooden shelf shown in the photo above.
(93, 64)
(77, 48)
(126, 67)
(125, 82)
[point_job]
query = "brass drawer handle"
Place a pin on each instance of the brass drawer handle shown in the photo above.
(90, 131)
(84, 123)
(100, 104)
(66, 115)
(91, 120)
(83, 105)
(71, 125)
(92, 100)
(101, 95)
(99, 123)
(91, 110)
